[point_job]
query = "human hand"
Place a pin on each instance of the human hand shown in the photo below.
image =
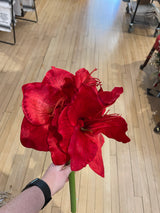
(56, 177)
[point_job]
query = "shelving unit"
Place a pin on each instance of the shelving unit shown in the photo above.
(14, 17)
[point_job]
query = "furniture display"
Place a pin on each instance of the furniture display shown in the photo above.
(141, 6)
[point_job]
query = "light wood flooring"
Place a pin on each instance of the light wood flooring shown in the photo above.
(72, 34)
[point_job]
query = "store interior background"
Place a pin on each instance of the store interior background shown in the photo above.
(71, 34)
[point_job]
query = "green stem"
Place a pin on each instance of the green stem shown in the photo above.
(72, 191)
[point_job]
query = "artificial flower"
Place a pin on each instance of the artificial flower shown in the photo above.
(65, 114)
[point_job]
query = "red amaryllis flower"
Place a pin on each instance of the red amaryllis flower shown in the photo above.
(64, 114)
(81, 124)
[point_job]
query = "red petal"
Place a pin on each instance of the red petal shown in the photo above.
(82, 149)
(85, 105)
(97, 164)
(65, 129)
(69, 89)
(80, 77)
(58, 156)
(55, 118)
(84, 77)
(38, 102)
(34, 136)
(113, 126)
(108, 98)
(56, 77)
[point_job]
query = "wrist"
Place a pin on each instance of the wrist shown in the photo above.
(43, 186)
(50, 185)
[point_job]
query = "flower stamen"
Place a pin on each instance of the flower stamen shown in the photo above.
(86, 130)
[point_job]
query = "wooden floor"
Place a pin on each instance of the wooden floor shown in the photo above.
(72, 34)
